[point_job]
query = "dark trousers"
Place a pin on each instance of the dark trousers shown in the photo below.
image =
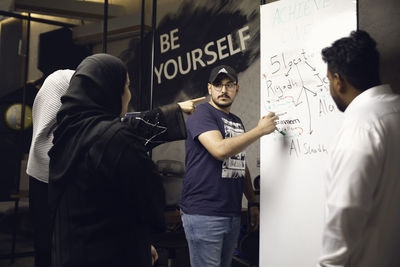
(40, 215)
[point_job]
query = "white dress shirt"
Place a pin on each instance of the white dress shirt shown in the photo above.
(363, 184)
(45, 107)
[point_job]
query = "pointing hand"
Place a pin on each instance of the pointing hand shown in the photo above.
(188, 105)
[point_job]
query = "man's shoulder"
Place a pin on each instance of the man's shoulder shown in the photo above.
(204, 106)
(370, 112)
(203, 119)
(201, 110)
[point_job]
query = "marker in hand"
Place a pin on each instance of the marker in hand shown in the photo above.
(276, 129)
(281, 132)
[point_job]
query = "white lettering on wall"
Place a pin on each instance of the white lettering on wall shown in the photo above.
(193, 60)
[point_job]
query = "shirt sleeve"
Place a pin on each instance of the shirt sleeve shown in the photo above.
(353, 175)
(163, 124)
(201, 121)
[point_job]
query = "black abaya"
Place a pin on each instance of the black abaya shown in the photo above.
(105, 193)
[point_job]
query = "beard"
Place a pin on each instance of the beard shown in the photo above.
(224, 104)
(339, 103)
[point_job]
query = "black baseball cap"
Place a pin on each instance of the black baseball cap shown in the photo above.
(223, 69)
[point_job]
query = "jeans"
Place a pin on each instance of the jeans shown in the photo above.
(211, 239)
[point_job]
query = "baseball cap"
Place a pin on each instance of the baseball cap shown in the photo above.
(223, 69)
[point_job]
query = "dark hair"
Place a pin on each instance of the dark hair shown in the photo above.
(356, 58)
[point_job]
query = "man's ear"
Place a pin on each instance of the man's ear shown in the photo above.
(209, 86)
(338, 83)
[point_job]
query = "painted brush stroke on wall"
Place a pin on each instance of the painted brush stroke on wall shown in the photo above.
(189, 42)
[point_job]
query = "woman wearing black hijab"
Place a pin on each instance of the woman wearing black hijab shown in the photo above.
(105, 193)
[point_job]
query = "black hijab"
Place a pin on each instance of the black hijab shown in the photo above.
(90, 108)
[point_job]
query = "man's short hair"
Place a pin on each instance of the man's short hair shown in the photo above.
(356, 58)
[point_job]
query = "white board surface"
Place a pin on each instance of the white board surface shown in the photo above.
(294, 85)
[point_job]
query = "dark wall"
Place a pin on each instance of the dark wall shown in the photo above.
(382, 20)
(11, 62)
(189, 42)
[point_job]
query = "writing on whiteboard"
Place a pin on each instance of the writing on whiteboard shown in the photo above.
(298, 10)
(298, 89)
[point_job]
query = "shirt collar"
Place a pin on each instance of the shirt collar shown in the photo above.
(368, 94)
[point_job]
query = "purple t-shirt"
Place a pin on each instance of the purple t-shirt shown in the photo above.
(210, 186)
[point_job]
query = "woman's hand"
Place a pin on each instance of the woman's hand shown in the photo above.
(154, 255)
(188, 106)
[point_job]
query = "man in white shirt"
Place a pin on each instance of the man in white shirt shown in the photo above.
(363, 179)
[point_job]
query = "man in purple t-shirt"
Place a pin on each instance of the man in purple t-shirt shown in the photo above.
(216, 174)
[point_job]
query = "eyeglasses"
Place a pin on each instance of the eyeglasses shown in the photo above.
(229, 86)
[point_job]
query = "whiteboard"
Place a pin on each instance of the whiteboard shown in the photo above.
(294, 85)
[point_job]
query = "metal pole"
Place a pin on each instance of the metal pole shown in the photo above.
(105, 30)
(139, 88)
(28, 39)
(21, 136)
(153, 36)
(358, 18)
